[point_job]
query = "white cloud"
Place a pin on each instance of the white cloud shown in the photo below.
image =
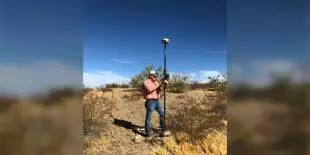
(274, 65)
(201, 76)
(258, 72)
(98, 78)
(126, 62)
(36, 77)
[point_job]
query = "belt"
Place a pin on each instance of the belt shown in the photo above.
(152, 99)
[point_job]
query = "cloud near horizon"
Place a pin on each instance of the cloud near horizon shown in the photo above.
(93, 79)
(258, 72)
(37, 77)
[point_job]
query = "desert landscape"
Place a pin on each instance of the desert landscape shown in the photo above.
(196, 118)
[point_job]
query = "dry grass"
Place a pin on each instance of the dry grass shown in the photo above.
(29, 128)
(97, 112)
(214, 143)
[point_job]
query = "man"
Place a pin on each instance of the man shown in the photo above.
(152, 96)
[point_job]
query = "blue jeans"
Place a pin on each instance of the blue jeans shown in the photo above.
(150, 106)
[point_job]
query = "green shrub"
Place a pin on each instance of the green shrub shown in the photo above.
(178, 84)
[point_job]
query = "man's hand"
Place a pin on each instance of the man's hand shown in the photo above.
(166, 82)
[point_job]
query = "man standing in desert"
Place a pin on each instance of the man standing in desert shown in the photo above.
(152, 96)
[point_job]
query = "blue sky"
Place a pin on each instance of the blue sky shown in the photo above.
(268, 28)
(41, 42)
(122, 37)
(41, 45)
(267, 36)
(34, 31)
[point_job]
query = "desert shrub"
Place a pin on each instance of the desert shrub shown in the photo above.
(137, 80)
(221, 86)
(112, 85)
(124, 86)
(195, 118)
(102, 88)
(178, 84)
(56, 95)
(86, 90)
(196, 85)
(96, 113)
(116, 85)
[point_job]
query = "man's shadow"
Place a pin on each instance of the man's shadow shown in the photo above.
(128, 125)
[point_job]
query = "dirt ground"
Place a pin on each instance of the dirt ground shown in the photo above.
(129, 110)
